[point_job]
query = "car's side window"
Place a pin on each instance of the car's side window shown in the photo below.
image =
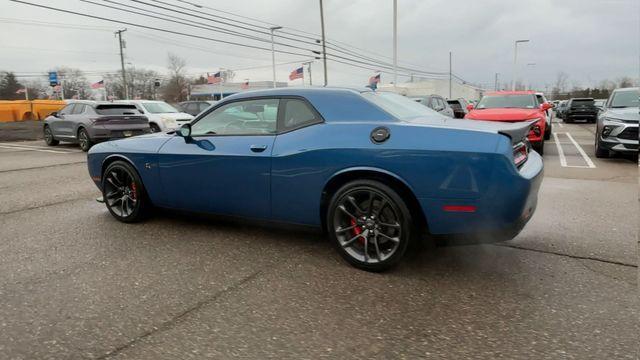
(297, 113)
(67, 109)
(78, 109)
(249, 117)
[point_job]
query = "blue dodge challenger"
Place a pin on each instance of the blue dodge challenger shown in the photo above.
(375, 170)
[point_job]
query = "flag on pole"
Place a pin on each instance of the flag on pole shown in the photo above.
(98, 85)
(245, 85)
(21, 91)
(215, 78)
(297, 74)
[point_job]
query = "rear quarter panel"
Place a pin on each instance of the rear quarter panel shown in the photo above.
(437, 164)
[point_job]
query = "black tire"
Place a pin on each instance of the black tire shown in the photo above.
(124, 194)
(84, 140)
(48, 136)
(547, 132)
(376, 238)
(600, 152)
(538, 147)
(154, 128)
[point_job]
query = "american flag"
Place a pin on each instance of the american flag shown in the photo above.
(245, 85)
(297, 74)
(21, 91)
(215, 78)
(375, 79)
(98, 85)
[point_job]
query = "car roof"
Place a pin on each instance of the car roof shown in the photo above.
(296, 91)
(517, 92)
(581, 99)
(627, 89)
(96, 103)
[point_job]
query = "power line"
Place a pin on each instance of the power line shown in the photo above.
(154, 28)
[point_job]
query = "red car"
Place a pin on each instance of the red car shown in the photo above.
(514, 106)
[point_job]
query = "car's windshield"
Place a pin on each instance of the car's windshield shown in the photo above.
(399, 106)
(628, 98)
(524, 101)
(159, 107)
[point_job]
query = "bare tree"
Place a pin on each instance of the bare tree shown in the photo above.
(176, 87)
(74, 83)
(624, 82)
(140, 83)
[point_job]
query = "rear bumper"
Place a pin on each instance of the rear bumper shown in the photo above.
(500, 214)
(581, 116)
(107, 132)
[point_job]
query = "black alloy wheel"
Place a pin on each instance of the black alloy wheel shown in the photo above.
(123, 192)
(48, 137)
(600, 152)
(84, 140)
(154, 128)
(370, 225)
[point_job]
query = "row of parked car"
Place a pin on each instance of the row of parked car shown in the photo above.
(87, 122)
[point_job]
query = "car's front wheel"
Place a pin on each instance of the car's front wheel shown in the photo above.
(48, 137)
(547, 132)
(600, 152)
(369, 224)
(154, 127)
(123, 192)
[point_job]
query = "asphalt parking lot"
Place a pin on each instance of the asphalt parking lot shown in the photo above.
(75, 283)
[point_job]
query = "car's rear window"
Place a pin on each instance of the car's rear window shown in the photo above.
(117, 109)
(582, 102)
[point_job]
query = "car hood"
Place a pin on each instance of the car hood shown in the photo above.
(626, 114)
(175, 116)
(149, 143)
(503, 114)
(516, 131)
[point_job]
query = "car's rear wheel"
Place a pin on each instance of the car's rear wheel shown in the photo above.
(369, 224)
(154, 128)
(48, 137)
(84, 140)
(123, 192)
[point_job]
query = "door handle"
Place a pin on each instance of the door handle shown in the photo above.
(258, 148)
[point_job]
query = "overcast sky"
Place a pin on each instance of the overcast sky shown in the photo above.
(590, 40)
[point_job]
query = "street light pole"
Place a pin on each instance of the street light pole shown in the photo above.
(515, 60)
(324, 50)
(450, 75)
(395, 42)
(308, 63)
(273, 53)
(495, 87)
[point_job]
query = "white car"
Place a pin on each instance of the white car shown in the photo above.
(549, 118)
(162, 116)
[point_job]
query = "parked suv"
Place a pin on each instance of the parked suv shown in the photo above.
(580, 109)
(162, 116)
(459, 107)
(514, 106)
(88, 122)
(617, 128)
(436, 103)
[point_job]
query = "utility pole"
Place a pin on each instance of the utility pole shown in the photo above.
(324, 49)
(496, 83)
(273, 53)
(515, 61)
(450, 76)
(124, 75)
(395, 42)
(308, 63)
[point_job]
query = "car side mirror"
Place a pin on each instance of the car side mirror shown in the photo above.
(185, 131)
(545, 106)
(470, 107)
(54, 114)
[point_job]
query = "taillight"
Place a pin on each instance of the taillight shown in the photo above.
(520, 154)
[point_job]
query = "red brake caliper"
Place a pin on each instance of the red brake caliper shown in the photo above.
(357, 230)
(133, 191)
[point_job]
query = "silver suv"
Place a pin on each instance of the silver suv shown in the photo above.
(617, 128)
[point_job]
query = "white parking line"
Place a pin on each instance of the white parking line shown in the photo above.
(586, 158)
(29, 148)
(563, 159)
